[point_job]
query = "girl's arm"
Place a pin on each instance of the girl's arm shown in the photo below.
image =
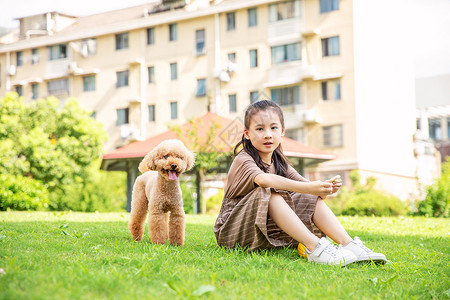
(317, 188)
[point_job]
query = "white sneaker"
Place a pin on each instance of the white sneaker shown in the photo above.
(363, 253)
(327, 253)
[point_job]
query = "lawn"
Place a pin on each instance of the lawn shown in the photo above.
(67, 255)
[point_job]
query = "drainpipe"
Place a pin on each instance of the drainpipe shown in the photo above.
(8, 75)
(216, 106)
(143, 87)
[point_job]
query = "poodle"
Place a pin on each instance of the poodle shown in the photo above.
(158, 191)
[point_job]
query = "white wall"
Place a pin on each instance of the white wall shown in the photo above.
(384, 87)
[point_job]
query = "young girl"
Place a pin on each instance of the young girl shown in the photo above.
(268, 204)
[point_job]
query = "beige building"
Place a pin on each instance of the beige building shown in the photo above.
(336, 67)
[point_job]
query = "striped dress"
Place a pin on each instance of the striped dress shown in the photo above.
(244, 219)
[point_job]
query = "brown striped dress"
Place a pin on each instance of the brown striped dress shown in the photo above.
(244, 219)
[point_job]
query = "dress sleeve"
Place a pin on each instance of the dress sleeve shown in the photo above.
(241, 176)
(294, 175)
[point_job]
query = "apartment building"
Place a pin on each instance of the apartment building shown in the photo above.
(336, 67)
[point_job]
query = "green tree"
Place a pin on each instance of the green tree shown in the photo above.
(50, 141)
(202, 139)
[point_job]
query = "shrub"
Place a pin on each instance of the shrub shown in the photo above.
(437, 201)
(214, 202)
(21, 193)
(365, 200)
(102, 191)
(188, 191)
(374, 203)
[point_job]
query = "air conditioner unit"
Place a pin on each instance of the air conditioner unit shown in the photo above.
(12, 70)
(73, 68)
(310, 117)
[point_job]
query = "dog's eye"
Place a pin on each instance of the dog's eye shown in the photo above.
(166, 156)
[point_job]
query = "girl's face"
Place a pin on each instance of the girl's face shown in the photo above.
(265, 132)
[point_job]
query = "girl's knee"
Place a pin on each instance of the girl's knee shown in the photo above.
(276, 195)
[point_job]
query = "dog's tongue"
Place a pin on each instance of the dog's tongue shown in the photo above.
(172, 175)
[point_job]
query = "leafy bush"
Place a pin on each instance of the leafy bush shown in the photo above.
(365, 200)
(214, 202)
(374, 203)
(437, 201)
(21, 193)
(188, 191)
(102, 191)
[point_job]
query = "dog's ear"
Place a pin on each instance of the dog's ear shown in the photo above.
(190, 160)
(148, 163)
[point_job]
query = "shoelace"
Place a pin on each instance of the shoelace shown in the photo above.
(332, 250)
(360, 243)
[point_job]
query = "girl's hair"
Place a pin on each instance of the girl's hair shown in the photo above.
(280, 161)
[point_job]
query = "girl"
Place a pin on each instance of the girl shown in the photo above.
(268, 204)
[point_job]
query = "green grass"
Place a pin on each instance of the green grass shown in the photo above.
(91, 256)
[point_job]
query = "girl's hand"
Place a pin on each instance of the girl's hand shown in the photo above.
(321, 188)
(336, 181)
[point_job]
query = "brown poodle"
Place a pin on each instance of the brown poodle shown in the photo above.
(158, 191)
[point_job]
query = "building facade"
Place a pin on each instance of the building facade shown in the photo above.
(344, 87)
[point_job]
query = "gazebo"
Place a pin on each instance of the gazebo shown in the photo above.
(127, 158)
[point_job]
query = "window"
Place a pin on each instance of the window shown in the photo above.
(284, 10)
(254, 96)
(332, 136)
(122, 79)
(58, 87)
(448, 128)
(34, 56)
(19, 90)
(122, 41)
(232, 102)
(286, 96)
(172, 32)
(200, 42)
(151, 113)
(35, 90)
(328, 5)
(151, 74)
(150, 36)
(330, 46)
(252, 17)
(173, 71)
(57, 52)
(295, 134)
(434, 129)
(331, 90)
(174, 110)
(122, 116)
(285, 53)
(253, 58)
(88, 47)
(201, 87)
(231, 21)
(19, 58)
(89, 83)
(232, 57)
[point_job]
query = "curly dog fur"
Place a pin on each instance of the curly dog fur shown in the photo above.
(158, 191)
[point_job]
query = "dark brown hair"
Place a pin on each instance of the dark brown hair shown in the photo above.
(279, 160)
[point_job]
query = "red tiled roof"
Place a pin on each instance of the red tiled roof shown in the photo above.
(229, 133)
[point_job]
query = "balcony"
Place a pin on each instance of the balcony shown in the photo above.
(289, 73)
(280, 31)
(298, 116)
(57, 68)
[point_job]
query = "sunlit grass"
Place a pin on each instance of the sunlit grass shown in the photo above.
(91, 255)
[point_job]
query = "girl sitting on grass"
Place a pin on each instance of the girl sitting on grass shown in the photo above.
(267, 204)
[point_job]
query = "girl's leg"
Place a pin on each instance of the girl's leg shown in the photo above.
(285, 218)
(326, 221)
